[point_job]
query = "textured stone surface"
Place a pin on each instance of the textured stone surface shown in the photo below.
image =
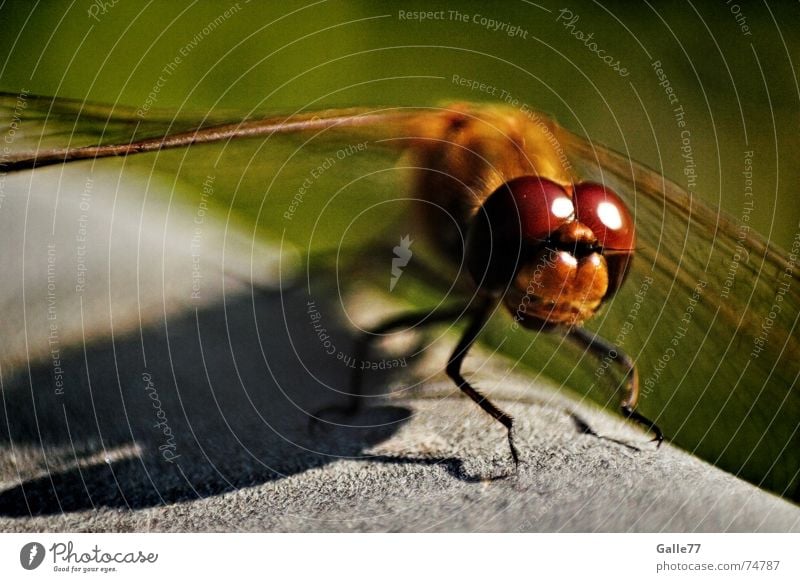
(430, 459)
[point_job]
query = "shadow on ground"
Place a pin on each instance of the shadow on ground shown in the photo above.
(213, 401)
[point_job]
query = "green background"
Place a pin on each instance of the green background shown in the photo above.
(291, 54)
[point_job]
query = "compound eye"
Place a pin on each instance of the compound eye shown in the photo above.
(524, 210)
(605, 213)
(540, 206)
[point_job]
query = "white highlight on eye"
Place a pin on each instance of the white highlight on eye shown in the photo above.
(609, 215)
(569, 259)
(562, 207)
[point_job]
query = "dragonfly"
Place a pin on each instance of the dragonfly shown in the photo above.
(693, 315)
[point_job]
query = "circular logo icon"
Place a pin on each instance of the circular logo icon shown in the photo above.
(31, 555)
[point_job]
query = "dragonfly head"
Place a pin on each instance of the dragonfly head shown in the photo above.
(554, 253)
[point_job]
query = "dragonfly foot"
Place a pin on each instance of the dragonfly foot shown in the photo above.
(633, 415)
(514, 452)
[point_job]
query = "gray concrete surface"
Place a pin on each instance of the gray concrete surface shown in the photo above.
(197, 420)
(247, 461)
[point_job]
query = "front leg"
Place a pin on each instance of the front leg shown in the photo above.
(602, 348)
(479, 318)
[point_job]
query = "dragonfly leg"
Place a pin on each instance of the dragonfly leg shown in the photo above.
(367, 338)
(603, 348)
(479, 318)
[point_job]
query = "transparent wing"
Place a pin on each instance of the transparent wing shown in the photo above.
(710, 313)
(41, 131)
(31, 123)
(277, 171)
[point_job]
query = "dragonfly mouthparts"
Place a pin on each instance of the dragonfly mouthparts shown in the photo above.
(578, 249)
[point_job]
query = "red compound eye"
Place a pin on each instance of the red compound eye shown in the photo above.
(522, 211)
(535, 206)
(605, 213)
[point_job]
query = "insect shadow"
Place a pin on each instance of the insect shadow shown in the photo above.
(583, 427)
(210, 402)
(222, 403)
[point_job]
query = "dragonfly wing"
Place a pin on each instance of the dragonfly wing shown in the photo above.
(264, 169)
(46, 131)
(31, 123)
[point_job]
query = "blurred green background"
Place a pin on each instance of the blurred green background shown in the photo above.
(740, 91)
(732, 67)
